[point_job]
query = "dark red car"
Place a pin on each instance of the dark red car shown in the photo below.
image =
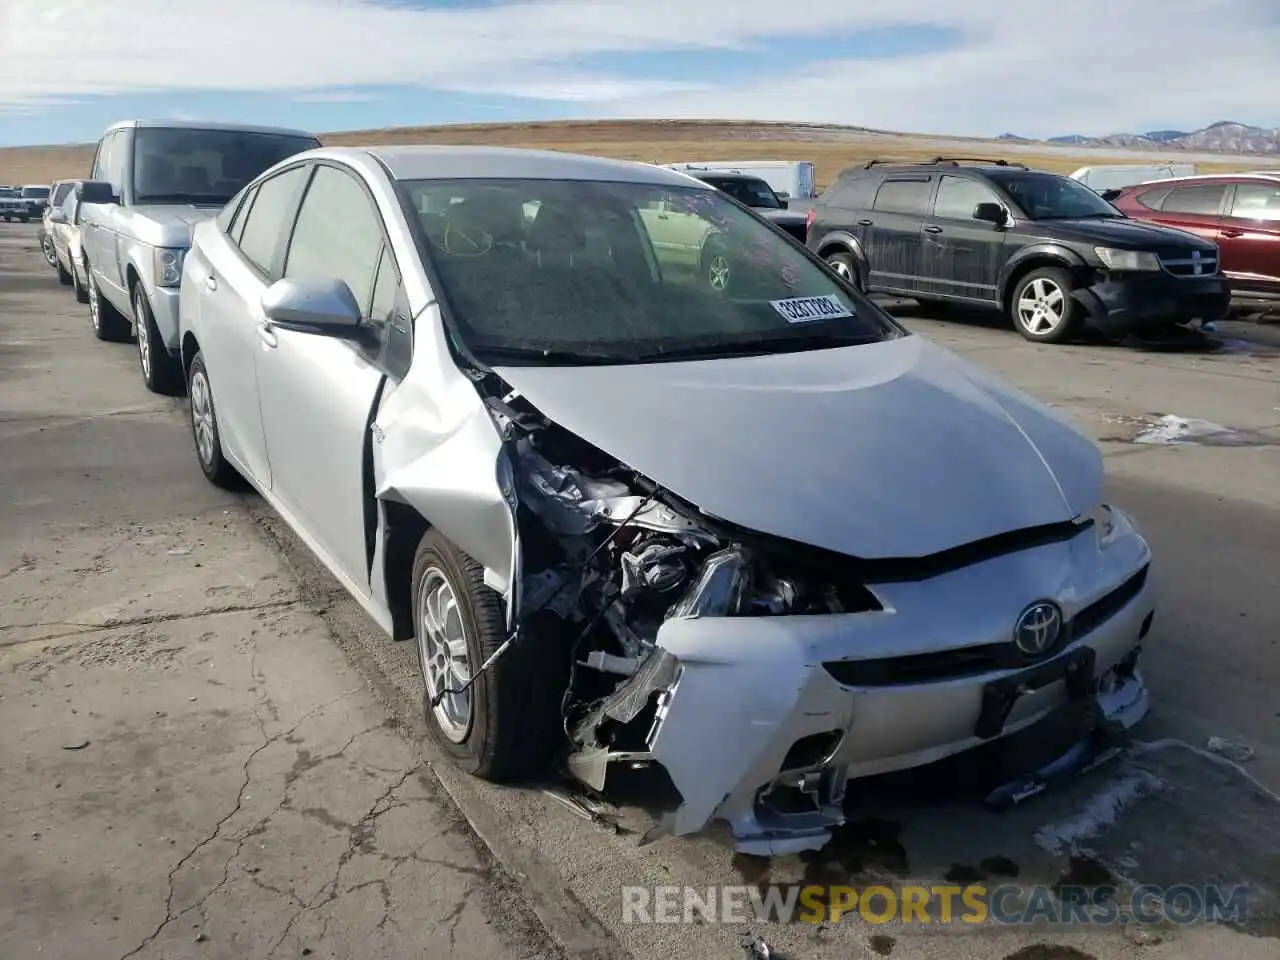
(1239, 212)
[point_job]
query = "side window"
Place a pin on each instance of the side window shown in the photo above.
(113, 169)
(242, 214)
(1256, 201)
(338, 235)
(1203, 201)
(1152, 199)
(902, 196)
(266, 222)
(958, 196)
(386, 285)
(850, 193)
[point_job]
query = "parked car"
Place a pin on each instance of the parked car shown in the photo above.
(25, 204)
(1240, 213)
(633, 519)
(64, 237)
(151, 181)
(1104, 177)
(58, 192)
(1043, 248)
(759, 196)
(11, 204)
(790, 179)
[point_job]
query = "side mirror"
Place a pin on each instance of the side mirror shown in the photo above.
(57, 216)
(324, 307)
(97, 191)
(991, 213)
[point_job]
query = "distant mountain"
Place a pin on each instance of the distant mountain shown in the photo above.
(1013, 136)
(1225, 136)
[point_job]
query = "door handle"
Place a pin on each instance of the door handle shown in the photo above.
(267, 335)
(932, 229)
(1232, 232)
(211, 282)
(865, 223)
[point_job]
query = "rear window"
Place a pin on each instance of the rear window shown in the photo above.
(1152, 199)
(902, 196)
(1201, 200)
(35, 193)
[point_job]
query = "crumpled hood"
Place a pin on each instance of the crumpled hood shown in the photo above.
(889, 450)
(1126, 234)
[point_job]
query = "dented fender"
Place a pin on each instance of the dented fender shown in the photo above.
(438, 451)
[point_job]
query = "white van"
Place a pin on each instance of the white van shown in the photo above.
(790, 179)
(1113, 176)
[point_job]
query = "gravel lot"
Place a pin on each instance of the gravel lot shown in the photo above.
(208, 751)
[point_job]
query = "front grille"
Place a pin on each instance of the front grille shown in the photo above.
(1190, 263)
(919, 668)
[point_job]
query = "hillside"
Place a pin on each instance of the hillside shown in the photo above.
(830, 147)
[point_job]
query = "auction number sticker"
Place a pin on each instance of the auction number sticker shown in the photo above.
(804, 309)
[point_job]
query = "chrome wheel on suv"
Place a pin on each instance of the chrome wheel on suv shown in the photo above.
(1041, 305)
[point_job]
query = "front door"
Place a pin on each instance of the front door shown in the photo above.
(1249, 243)
(890, 233)
(318, 392)
(962, 255)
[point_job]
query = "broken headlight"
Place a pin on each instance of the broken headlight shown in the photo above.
(734, 582)
(1109, 523)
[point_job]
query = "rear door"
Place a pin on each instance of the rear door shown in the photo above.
(891, 233)
(1250, 238)
(1194, 207)
(962, 255)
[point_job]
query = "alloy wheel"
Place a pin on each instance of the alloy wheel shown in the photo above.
(202, 418)
(46, 247)
(144, 335)
(718, 272)
(1042, 306)
(95, 307)
(442, 648)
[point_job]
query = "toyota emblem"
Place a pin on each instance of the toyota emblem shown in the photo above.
(1038, 629)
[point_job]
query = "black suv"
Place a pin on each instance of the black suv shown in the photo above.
(1044, 249)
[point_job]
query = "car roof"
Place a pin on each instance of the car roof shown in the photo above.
(439, 162)
(205, 125)
(1212, 178)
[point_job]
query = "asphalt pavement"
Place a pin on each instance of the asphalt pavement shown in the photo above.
(209, 751)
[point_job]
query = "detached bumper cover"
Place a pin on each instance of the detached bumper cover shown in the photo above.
(1136, 304)
(757, 719)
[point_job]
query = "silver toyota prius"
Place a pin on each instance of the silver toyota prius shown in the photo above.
(647, 484)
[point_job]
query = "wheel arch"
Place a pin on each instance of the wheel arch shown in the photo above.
(841, 242)
(1034, 259)
(403, 528)
(189, 348)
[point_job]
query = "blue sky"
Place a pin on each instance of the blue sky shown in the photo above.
(981, 67)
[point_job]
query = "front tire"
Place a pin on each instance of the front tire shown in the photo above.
(161, 372)
(108, 323)
(1041, 306)
(204, 430)
(78, 288)
(50, 254)
(507, 724)
(64, 277)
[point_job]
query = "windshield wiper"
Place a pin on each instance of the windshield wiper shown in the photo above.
(195, 199)
(763, 345)
(533, 355)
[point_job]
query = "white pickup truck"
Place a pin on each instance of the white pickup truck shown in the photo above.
(151, 182)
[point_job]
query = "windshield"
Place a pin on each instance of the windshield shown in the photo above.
(543, 271)
(35, 193)
(1047, 196)
(751, 193)
(186, 165)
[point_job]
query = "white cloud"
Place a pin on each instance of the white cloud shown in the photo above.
(1034, 67)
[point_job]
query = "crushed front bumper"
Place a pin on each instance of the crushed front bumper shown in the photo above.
(768, 718)
(1143, 303)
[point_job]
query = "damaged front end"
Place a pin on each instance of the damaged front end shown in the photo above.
(621, 564)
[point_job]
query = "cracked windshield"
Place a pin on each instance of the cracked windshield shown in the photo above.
(564, 480)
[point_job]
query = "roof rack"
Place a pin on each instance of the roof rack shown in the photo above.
(956, 161)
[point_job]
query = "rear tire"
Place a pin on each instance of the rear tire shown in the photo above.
(1041, 306)
(161, 371)
(108, 323)
(845, 267)
(217, 468)
(508, 724)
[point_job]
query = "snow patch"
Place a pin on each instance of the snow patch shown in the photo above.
(1172, 429)
(1100, 812)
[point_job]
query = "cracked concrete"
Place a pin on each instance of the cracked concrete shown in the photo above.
(191, 768)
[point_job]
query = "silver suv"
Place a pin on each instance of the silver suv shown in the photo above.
(152, 181)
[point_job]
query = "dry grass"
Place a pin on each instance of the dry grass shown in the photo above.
(830, 148)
